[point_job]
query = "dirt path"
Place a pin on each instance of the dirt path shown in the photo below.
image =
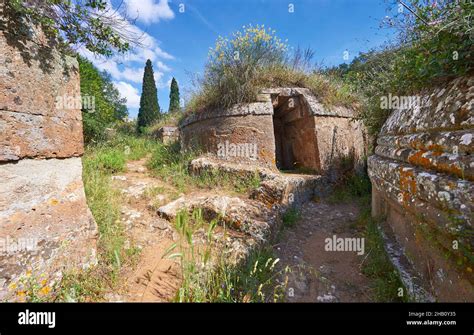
(319, 275)
(155, 278)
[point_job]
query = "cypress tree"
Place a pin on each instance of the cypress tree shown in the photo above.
(149, 108)
(174, 97)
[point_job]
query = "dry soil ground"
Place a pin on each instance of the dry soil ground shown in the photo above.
(317, 275)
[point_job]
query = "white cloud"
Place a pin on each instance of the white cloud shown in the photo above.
(163, 67)
(127, 69)
(162, 54)
(133, 75)
(149, 11)
(130, 93)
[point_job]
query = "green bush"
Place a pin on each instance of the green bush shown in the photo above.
(109, 107)
(126, 127)
(255, 58)
(291, 217)
(108, 160)
(433, 46)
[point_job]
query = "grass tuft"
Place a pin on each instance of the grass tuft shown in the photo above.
(207, 279)
(377, 266)
(291, 217)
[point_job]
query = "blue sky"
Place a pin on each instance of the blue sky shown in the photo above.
(177, 34)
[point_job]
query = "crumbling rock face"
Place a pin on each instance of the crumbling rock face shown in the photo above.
(275, 188)
(247, 223)
(287, 128)
(422, 176)
(167, 134)
(250, 222)
(243, 215)
(45, 224)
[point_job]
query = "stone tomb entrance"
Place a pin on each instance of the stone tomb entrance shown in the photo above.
(290, 128)
(295, 136)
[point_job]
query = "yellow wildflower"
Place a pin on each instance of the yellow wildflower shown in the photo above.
(45, 290)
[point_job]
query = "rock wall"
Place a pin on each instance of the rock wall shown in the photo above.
(167, 134)
(45, 224)
(422, 176)
(218, 133)
(288, 128)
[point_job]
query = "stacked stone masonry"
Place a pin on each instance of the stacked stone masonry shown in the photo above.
(45, 224)
(423, 183)
(288, 128)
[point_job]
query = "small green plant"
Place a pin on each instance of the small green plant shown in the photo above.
(377, 265)
(208, 276)
(32, 288)
(354, 186)
(291, 217)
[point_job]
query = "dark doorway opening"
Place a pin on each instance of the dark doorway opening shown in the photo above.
(295, 138)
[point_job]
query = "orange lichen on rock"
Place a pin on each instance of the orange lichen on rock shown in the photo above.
(436, 148)
(451, 168)
(418, 159)
(416, 143)
(407, 181)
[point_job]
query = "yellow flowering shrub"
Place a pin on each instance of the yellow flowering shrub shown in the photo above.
(254, 58)
(234, 64)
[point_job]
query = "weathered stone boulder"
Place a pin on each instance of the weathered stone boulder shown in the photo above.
(45, 224)
(167, 134)
(275, 188)
(244, 223)
(244, 215)
(422, 176)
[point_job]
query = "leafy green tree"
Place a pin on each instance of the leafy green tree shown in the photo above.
(149, 110)
(107, 105)
(174, 97)
(112, 95)
(434, 44)
(93, 24)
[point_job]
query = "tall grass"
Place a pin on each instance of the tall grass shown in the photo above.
(207, 274)
(172, 165)
(291, 217)
(99, 163)
(386, 281)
